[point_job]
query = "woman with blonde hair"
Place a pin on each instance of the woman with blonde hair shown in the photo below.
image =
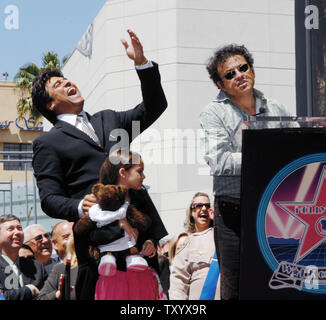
(192, 261)
(191, 225)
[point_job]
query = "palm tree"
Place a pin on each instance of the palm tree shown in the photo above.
(24, 78)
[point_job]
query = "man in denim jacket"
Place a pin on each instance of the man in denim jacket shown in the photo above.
(222, 120)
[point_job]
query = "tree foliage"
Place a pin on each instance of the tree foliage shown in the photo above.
(24, 79)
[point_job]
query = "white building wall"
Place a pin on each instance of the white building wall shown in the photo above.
(180, 35)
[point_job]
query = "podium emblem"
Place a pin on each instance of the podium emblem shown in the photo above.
(291, 225)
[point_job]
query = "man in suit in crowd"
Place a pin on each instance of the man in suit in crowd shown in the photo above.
(40, 242)
(60, 235)
(67, 161)
(20, 278)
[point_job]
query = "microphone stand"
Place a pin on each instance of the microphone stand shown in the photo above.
(66, 282)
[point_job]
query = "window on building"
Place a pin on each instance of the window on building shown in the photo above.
(19, 149)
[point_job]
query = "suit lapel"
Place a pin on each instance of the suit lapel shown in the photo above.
(4, 264)
(72, 131)
(97, 125)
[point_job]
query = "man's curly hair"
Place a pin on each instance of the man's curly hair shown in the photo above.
(222, 54)
(40, 96)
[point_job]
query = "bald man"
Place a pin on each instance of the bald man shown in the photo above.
(60, 235)
(40, 242)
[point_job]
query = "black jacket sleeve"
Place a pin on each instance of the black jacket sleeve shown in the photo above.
(51, 184)
(153, 105)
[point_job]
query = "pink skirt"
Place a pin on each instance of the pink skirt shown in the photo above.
(129, 285)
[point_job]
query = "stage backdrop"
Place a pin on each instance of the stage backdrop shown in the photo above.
(283, 240)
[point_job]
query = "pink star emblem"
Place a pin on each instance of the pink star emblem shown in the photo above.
(312, 215)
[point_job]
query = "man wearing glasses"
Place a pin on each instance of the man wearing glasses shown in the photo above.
(231, 69)
(40, 242)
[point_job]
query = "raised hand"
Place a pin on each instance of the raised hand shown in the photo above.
(134, 50)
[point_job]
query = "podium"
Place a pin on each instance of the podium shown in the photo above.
(283, 217)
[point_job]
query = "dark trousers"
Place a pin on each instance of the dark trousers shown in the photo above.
(227, 241)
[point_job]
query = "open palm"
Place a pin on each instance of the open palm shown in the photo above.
(134, 49)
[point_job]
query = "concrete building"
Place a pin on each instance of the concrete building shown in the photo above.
(180, 35)
(18, 194)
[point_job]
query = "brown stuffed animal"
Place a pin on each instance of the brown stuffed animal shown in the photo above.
(112, 198)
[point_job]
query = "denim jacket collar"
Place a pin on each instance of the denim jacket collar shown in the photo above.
(222, 96)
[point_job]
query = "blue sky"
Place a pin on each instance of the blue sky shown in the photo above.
(43, 25)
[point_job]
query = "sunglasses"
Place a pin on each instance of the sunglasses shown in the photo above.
(230, 75)
(200, 205)
(40, 237)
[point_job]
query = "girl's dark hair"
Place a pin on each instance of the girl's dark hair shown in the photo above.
(222, 54)
(40, 96)
(109, 172)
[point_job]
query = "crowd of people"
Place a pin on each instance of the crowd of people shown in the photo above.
(112, 239)
(38, 259)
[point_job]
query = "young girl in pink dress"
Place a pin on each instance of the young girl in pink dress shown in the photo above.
(128, 170)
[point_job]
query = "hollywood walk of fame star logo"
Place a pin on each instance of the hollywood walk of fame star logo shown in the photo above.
(312, 215)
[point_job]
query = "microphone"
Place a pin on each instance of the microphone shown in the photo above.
(261, 111)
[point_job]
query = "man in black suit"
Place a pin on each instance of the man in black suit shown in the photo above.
(20, 278)
(66, 161)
